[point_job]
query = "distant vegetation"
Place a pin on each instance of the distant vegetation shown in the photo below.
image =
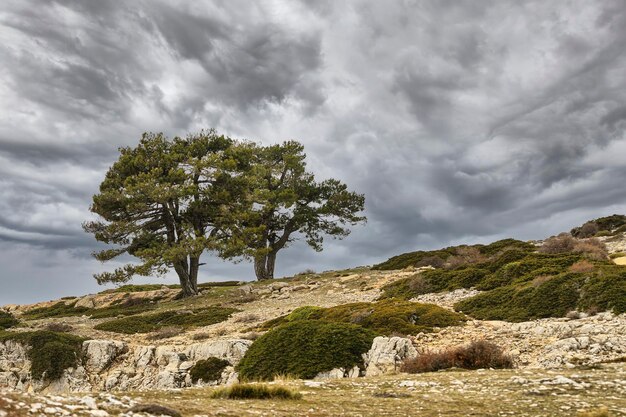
(153, 322)
(385, 317)
(603, 226)
(439, 258)
(304, 348)
(125, 307)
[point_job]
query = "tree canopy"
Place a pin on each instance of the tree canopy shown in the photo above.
(166, 202)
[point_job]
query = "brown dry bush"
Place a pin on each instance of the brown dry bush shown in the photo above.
(434, 261)
(465, 256)
(582, 267)
(541, 279)
(592, 249)
(477, 355)
(558, 244)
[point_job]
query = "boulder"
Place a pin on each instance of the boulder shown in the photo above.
(387, 354)
(231, 350)
(99, 354)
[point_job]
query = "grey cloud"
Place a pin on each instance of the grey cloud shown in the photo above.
(459, 121)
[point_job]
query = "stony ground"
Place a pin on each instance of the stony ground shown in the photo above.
(567, 392)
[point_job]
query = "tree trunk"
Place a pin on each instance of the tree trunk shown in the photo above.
(188, 279)
(264, 266)
(260, 269)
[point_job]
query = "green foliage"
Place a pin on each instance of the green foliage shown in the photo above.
(50, 353)
(208, 369)
(288, 202)
(7, 320)
(255, 392)
(416, 258)
(304, 348)
(383, 317)
(552, 296)
(152, 322)
(490, 275)
(167, 201)
(605, 291)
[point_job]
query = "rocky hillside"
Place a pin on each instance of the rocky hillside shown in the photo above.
(552, 306)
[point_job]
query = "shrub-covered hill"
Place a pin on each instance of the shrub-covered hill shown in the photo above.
(522, 283)
(603, 226)
(451, 255)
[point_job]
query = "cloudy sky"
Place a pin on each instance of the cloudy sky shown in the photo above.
(461, 121)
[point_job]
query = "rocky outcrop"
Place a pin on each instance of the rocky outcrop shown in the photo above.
(387, 354)
(109, 365)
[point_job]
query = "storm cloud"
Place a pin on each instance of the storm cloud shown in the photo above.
(460, 121)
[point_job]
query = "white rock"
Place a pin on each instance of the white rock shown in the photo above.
(99, 354)
(336, 373)
(387, 354)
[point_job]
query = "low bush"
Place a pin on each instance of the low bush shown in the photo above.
(166, 333)
(59, 327)
(384, 317)
(304, 348)
(50, 353)
(208, 370)
(256, 392)
(564, 243)
(153, 322)
(7, 320)
(60, 309)
(477, 355)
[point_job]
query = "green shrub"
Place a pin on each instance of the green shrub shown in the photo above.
(152, 322)
(255, 392)
(304, 348)
(384, 317)
(50, 353)
(208, 369)
(7, 320)
(605, 291)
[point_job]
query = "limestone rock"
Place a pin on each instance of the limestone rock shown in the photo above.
(99, 354)
(231, 350)
(387, 354)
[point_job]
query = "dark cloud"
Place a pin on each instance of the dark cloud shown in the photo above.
(459, 121)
